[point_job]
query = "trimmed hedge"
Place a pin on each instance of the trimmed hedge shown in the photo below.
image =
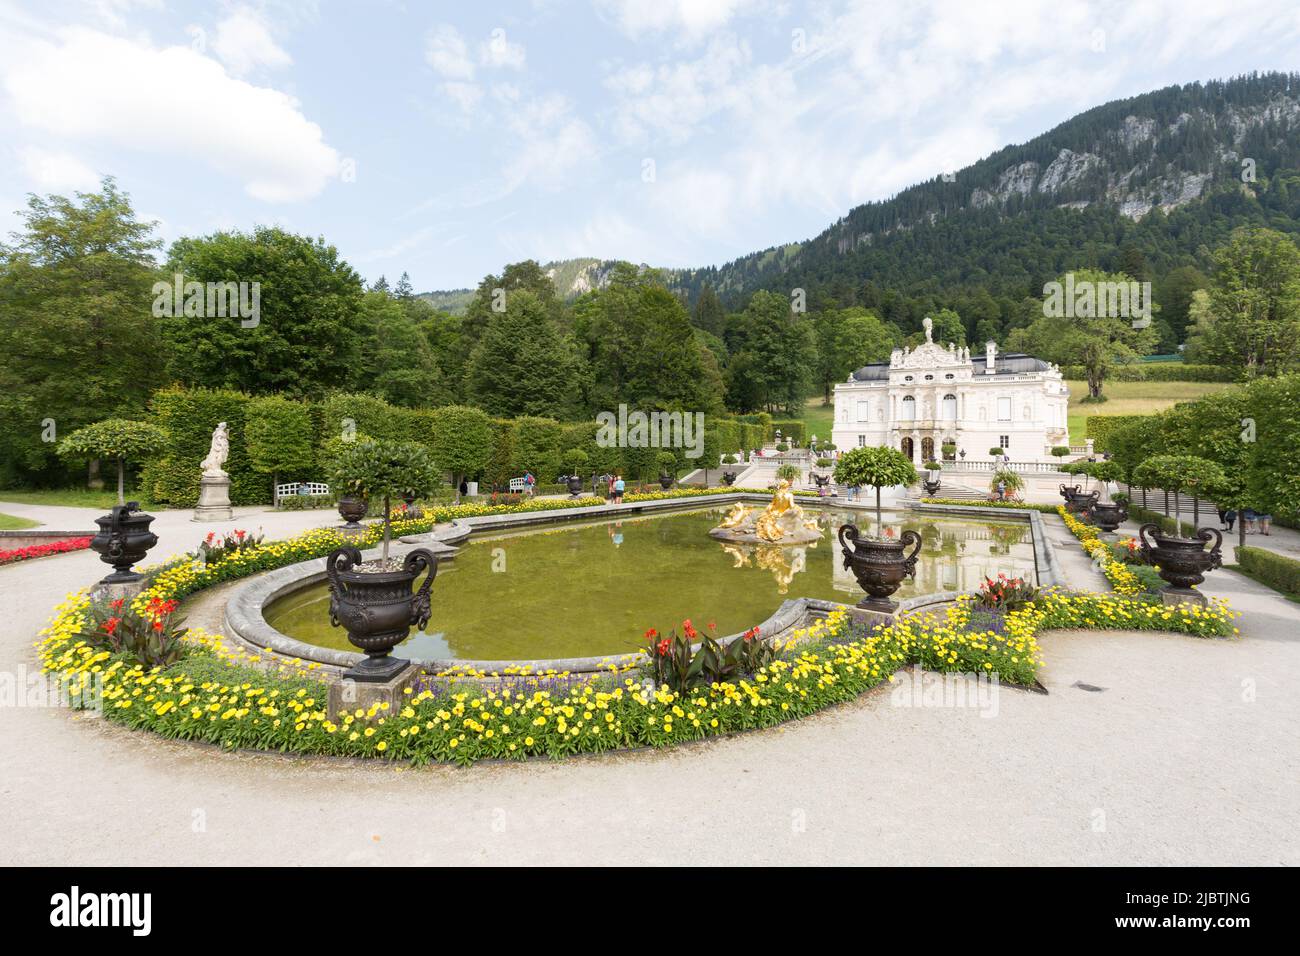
(1273, 569)
(1100, 427)
(793, 432)
(188, 417)
(1166, 522)
(1159, 372)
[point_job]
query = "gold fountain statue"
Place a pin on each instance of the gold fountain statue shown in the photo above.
(781, 522)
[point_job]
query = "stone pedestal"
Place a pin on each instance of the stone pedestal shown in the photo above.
(349, 695)
(214, 499)
(871, 618)
(126, 590)
(1171, 597)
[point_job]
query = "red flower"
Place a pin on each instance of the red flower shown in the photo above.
(117, 605)
(662, 647)
(111, 625)
(712, 626)
(650, 633)
(689, 628)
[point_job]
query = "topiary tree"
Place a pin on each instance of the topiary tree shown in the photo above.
(1060, 451)
(1179, 473)
(278, 437)
(788, 472)
(375, 469)
(996, 451)
(667, 463)
(933, 465)
(117, 438)
(876, 467)
(576, 459)
(462, 440)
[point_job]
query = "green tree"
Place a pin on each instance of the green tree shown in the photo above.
(1178, 474)
(524, 364)
(1094, 336)
(462, 441)
(847, 339)
(781, 349)
(278, 437)
(78, 340)
(709, 314)
(114, 438)
(1252, 317)
(310, 334)
(400, 363)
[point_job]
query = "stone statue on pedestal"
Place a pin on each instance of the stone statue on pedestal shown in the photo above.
(214, 486)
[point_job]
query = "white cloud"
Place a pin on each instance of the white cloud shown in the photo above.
(498, 51)
(446, 51)
(464, 95)
(243, 42)
(689, 19)
(57, 172)
(95, 88)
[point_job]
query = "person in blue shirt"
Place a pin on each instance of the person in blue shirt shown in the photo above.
(619, 487)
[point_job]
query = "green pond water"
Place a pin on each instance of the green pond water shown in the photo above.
(578, 590)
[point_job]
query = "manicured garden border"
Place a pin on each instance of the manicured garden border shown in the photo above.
(233, 700)
(75, 542)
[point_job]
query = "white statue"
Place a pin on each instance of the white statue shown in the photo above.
(928, 325)
(217, 453)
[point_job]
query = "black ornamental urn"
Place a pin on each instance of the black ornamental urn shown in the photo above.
(377, 607)
(728, 478)
(879, 565)
(1079, 503)
(931, 486)
(575, 485)
(123, 540)
(1181, 562)
(1068, 491)
(1107, 515)
(666, 481)
(352, 509)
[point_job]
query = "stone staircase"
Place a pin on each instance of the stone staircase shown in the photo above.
(950, 490)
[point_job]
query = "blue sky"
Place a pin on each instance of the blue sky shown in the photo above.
(446, 139)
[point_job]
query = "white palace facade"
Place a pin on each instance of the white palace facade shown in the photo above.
(934, 394)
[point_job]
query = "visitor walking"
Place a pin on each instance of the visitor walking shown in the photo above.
(1223, 520)
(1002, 490)
(1230, 518)
(619, 486)
(1265, 523)
(530, 483)
(1248, 518)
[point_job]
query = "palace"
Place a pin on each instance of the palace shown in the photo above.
(934, 394)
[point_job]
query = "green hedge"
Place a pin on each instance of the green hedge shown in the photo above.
(793, 432)
(188, 417)
(1100, 427)
(1159, 372)
(1273, 569)
(1166, 522)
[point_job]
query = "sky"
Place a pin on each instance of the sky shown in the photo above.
(446, 139)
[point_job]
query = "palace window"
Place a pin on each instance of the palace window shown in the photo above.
(862, 412)
(909, 409)
(1004, 441)
(1004, 409)
(950, 408)
(862, 440)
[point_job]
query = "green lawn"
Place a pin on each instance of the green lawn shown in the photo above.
(70, 497)
(10, 523)
(1122, 398)
(1132, 398)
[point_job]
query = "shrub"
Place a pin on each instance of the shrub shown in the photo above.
(1100, 428)
(933, 466)
(788, 472)
(1178, 473)
(782, 447)
(462, 441)
(115, 438)
(667, 463)
(824, 462)
(996, 451)
(1060, 451)
(1275, 570)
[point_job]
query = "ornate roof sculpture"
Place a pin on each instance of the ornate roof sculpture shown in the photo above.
(932, 355)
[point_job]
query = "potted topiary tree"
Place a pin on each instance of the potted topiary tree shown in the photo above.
(124, 536)
(932, 482)
(1010, 481)
(949, 450)
(373, 600)
(576, 460)
(1181, 562)
(878, 562)
(1077, 497)
(1106, 513)
(667, 463)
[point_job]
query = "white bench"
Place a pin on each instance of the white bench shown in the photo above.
(310, 489)
(518, 486)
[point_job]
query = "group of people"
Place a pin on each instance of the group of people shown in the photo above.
(1254, 522)
(614, 488)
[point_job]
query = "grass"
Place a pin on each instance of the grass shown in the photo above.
(818, 419)
(1132, 398)
(11, 523)
(67, 497)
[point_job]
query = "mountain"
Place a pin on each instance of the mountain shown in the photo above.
(1157, 180)
(1167, 172)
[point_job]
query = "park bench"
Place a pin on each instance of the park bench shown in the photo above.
(308, 489)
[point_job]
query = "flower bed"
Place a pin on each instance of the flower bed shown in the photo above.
(44, 550)
(234, 700)
(1011, 505)
(1120, 575)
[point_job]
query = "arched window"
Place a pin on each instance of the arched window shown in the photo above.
(909, 408)
(950, 408)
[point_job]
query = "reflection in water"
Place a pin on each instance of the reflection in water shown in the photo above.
(591, 588)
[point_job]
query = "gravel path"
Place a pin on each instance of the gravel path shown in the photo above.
(1187, 754)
